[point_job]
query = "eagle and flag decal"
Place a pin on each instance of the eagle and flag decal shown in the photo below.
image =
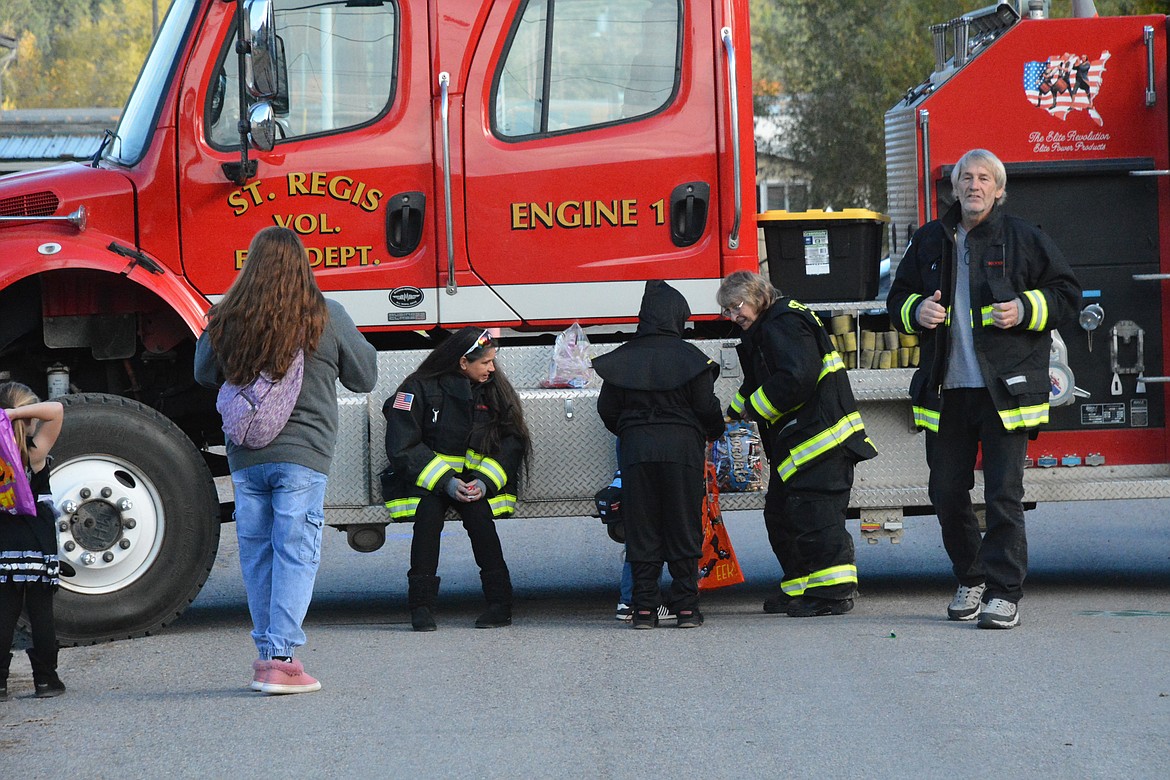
(1064, 83)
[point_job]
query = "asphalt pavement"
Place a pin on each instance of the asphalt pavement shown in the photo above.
(892, 690)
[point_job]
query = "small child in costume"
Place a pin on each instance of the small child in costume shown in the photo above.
(29, 568)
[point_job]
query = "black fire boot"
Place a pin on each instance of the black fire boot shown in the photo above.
(5, 660)
(497, 589)
(424, 589)
(45, 678)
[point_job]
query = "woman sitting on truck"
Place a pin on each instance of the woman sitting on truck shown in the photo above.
(456, 437)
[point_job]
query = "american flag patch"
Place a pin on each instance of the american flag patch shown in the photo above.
(403, 401)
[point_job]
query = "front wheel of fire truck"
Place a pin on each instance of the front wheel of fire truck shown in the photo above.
(138, 523)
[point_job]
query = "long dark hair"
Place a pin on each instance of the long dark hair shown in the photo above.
(273, 308)
(506, 414)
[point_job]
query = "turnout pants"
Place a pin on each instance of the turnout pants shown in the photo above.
(428, 528)
(1000, 557)
(805, 518)
(661, 511)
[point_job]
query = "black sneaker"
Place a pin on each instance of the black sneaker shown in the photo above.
(778, 604)
(49, 688)
(814, 606)
(690, 618)
(645, 618)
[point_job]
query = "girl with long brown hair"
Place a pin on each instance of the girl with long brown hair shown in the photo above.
(272, 311)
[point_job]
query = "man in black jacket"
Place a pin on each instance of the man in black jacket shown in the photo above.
(658, 397)
(985, 290)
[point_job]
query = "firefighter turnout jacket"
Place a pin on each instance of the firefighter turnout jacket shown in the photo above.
(1009, 259)
(434, 433)
(796, 386)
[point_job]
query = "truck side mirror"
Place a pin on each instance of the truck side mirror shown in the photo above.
(262, 126)
(262, 77)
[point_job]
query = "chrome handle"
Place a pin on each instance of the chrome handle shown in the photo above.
(733, 108)
(924, 124)
(1151, 277)
(444, 100)
(1148, 38)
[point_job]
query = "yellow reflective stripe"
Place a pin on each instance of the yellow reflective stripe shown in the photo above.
(794, 587)
(738, 404)
(432, 473)
(830, 363)
(489, 467)
(908, 311)
(402, 507)
(439, 465)
(947, 317)
(926, 418)
(1024, 416)
(503, 504)
(834, 575)
(987, 318)
(764, 407)
(820, 444)
(1039, 304)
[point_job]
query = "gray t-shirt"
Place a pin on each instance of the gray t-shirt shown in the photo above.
(962, 366)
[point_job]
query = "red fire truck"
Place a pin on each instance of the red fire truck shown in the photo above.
(518, 164)
(1077, 110)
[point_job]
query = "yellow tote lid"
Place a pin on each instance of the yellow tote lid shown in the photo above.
(821, 215)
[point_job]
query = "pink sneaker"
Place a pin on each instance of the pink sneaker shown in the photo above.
(288, 677)
(259, 673)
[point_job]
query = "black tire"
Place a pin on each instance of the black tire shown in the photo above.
(141, 506)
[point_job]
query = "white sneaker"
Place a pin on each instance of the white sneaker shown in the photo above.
(626, 612)
(966, 603)
(1000, 613)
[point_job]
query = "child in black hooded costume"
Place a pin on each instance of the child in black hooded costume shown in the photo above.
(658, 397)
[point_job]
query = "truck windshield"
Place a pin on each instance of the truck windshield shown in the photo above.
(141, 113)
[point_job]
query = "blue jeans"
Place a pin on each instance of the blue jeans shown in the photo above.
(280, 511)
(627, 587)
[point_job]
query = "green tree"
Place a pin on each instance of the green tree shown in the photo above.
(843, 64)
(75, 53)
